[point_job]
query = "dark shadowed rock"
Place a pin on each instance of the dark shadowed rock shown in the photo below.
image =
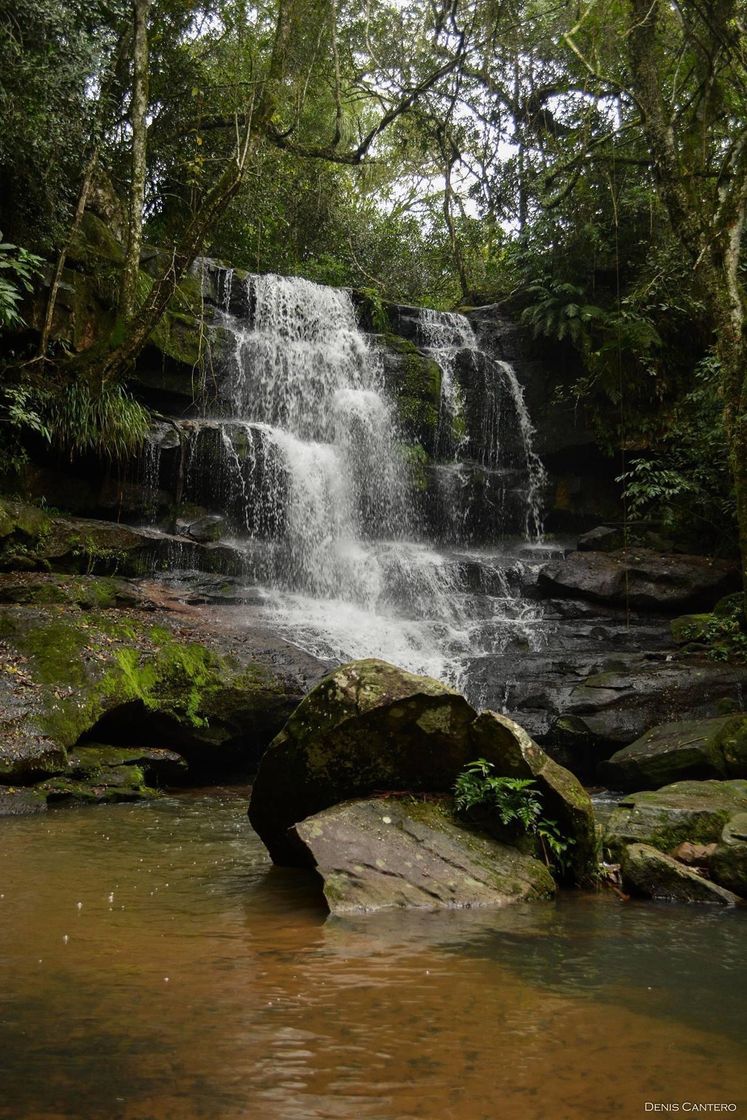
(211, 527)
(665, 818)
(367, 726)
(728, 864)
(18, 801)
(642, 578)
(653, 874)
(371, 727)
(604, 538)
(617, 705)
(400, 852)
(709, 748)
(564, 799)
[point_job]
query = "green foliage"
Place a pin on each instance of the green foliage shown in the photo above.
(515, 803)
(103, 419)
(557, 311)
(722, 633)
(688, 479)
(18, 270)
(75, 417)
(512, 799)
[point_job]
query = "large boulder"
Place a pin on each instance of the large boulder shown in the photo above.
(564, 799)
(685, 811)
(366, 727)
(371, 727)
(117, 677)
(708, 748)
(390, 852)
(653, 874)
(640, 578)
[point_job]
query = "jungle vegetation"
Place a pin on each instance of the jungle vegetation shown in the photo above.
(583, 163)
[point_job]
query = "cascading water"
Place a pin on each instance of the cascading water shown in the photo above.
(450, 339)
(303, 456)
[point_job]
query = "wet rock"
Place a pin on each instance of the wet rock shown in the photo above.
(114, 677)
(109, 784)
(564, 799)
(209, 528)
(159, 766)
(20, 801)
(388, 853)
(367, 726)
(685, 811)
(710, 748)
(617, 705)
(641, 578)
(653, 874)
(43, 588)
(728, 864)
(604, 538)
(371, 727)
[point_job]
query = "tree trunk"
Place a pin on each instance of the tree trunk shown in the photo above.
(139, 125)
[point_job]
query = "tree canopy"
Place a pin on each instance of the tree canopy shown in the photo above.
(584, 164)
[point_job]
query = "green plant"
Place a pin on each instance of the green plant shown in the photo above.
(18, 269)
(516, 804)
(105, 420)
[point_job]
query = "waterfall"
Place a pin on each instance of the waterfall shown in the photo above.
(449, 338)
(301, 453)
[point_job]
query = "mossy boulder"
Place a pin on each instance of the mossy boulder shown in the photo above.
(88, 591)
(94, 242)
(653, 874)
(707, 748)
(685, 811)
(367, 726)
(370, 727)
(395, 853)
(109, 784)
(564, 799)
(32, 540)
(158, 766)
(114, 677)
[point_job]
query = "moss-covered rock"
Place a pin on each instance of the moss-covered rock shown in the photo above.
(728, 864)
(114, 676)
(707, 748)
(42, 589)
(367, 726)
(371, 727)
(94, 241)
(564, 799)
(653, 874)
(159, 767)
(116, 783)
(32, 540)
(21, 801)
(387, 853)
(684, 811)
(414, 381)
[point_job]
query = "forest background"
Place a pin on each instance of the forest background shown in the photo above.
(582, 165)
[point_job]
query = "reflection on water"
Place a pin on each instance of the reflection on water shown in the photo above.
(154, 967)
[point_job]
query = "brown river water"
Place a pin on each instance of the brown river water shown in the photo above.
(153, 966)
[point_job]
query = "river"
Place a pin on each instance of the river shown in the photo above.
(156, 967)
